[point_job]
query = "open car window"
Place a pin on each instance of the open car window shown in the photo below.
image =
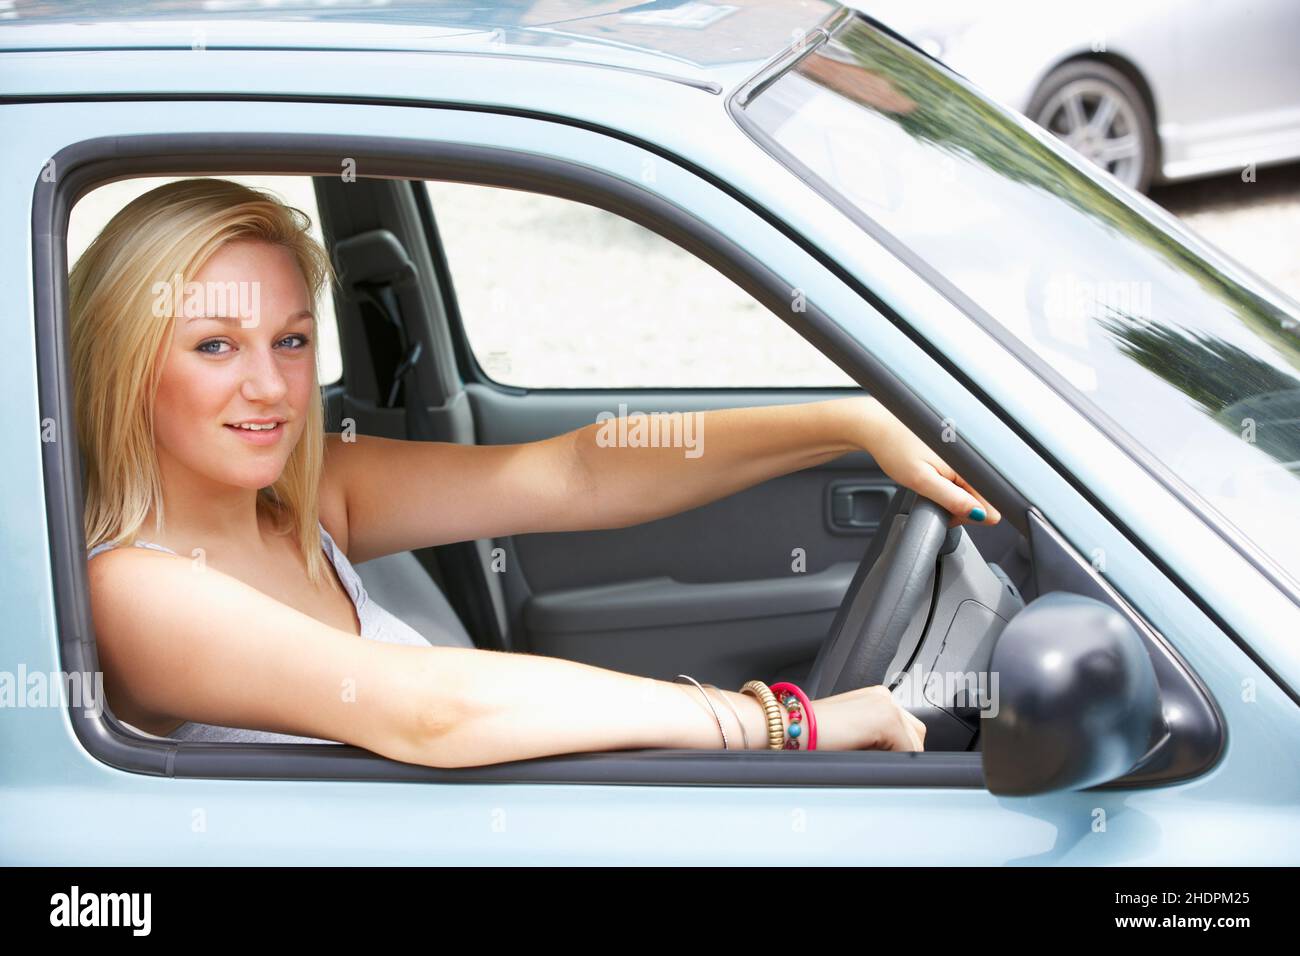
(554, 293)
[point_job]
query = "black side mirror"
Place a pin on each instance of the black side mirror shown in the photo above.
(1078, 702)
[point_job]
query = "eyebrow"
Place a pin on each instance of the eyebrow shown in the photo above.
(303, 314)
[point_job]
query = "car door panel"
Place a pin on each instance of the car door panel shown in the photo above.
(739, 586)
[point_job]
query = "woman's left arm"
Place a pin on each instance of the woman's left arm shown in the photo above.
(618, 472)
(734, 449)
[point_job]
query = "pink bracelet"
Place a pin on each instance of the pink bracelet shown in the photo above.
(797, 703)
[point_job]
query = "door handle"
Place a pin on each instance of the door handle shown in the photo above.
(856, 507)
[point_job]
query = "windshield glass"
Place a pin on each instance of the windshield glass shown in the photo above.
(1155, 341)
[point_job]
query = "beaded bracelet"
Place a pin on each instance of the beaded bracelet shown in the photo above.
(798, 704)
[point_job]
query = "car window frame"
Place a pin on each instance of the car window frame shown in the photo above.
(88, 162)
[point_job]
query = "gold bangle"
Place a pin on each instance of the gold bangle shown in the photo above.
(775, 725)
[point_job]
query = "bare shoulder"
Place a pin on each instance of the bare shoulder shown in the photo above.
(115, 573)
(121, 594)
(134, 593)
(125, 592)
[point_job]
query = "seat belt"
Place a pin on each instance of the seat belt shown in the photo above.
(377, 269)
(404, 377)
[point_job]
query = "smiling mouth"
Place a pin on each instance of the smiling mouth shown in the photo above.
(258, 433)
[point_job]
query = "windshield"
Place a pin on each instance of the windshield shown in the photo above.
(1155, 341)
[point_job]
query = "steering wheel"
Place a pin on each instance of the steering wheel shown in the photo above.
(892, 585)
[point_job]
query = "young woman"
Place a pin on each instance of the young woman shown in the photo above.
(238, 607)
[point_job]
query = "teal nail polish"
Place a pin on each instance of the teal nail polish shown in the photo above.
(977, 514)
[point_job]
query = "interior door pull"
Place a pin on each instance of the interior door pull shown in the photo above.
(858, 506)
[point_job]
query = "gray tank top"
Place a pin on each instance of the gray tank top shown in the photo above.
(377, 624)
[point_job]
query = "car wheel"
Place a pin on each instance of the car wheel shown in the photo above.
(1098, 111)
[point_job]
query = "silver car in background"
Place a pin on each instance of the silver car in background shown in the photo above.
(1150, 91)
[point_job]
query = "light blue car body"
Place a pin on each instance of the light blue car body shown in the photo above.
(61, 805)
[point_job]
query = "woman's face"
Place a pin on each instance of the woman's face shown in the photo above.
(249, 363)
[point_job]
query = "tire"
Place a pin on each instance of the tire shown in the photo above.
(1069, 104)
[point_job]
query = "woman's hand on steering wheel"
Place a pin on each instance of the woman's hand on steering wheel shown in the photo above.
(910, 462)
(866, 719)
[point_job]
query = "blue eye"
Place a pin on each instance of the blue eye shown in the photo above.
(302, 340)
(204, 346)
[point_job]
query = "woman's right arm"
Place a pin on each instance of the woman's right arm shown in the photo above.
(203, 646)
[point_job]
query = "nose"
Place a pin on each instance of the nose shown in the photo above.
(263, 381)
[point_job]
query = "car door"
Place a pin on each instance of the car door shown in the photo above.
(130, 800)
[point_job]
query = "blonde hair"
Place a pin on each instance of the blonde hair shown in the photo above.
(118, 345)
